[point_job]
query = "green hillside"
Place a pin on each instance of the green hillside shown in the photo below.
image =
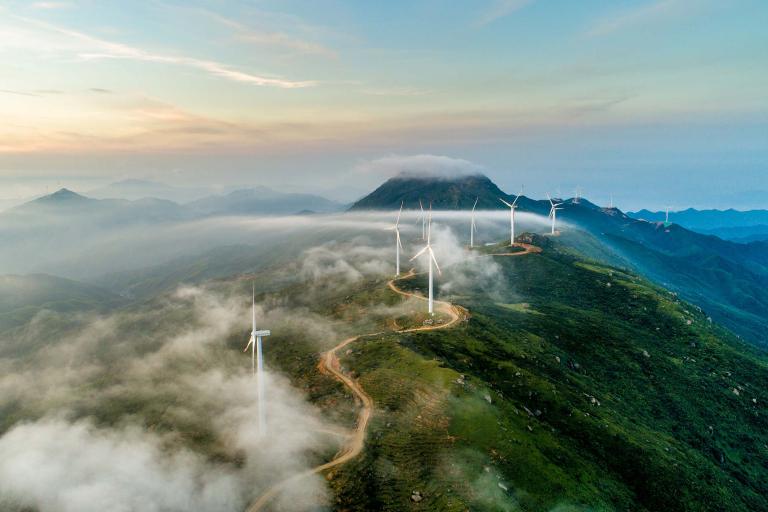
(573, 385)
(22, 297)
(579, 387)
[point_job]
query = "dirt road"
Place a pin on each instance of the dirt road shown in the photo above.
(528, 249)
(330, 365)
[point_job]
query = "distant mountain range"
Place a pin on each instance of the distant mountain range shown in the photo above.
(133, 189)
(729, 280)
(261, 200)
(736, 225)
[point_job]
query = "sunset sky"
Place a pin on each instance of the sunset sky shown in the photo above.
(654, 101)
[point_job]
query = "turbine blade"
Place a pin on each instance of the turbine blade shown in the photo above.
(475, 205)
(420, 253)
(514, 203)
(397, 223)
(506, 203)
(432, 255)
(250, 342)
(398, 238)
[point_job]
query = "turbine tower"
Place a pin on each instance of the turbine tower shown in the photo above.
(553, 213)
(431, 259)
(512, 208)
(423, 221)
(257, 363)
(472, 226)
(398, 243)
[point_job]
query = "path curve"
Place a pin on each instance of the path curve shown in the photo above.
(329, 364)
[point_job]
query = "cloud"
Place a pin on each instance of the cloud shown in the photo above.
(462, 270)
(500, 9)
(271, 38)
(18, 93)
(347, 262)
(419, 165)
(182, 381)
(96, 49)
(653, 12)
(57, 466)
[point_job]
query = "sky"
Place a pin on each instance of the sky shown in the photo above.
(652, 101)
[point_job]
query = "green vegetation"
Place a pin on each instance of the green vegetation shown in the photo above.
(613, 396)
(574, 385)
(22, 297)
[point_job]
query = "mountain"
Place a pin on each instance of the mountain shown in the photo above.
(133, 189)
(740, 234)
(65, 203)
(457, 193)
(741, 226)
(262, 201)
(571, 386)
(729, 280)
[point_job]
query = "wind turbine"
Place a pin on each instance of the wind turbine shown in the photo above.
(553, 212)
(512, 208)
(257, 363)
(666, 217)
(472, 226)
(431, 259)
(398, 243)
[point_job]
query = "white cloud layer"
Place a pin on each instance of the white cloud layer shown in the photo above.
(419, 165)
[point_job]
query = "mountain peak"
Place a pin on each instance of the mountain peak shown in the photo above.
(63, 194)
(443, 192)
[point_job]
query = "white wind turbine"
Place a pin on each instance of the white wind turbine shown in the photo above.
(472, 225)
(257, 363)
(512, 208)
(553, 213)
(431, 259)
(398, 243)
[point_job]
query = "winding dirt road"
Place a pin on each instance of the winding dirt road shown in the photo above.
(330, 365)
(527, 249)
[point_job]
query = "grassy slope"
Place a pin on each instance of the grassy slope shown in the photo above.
(638, 413)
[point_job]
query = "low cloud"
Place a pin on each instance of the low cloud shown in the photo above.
(349, 262)
(419, 165)
(116, 406)
(54, 466)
